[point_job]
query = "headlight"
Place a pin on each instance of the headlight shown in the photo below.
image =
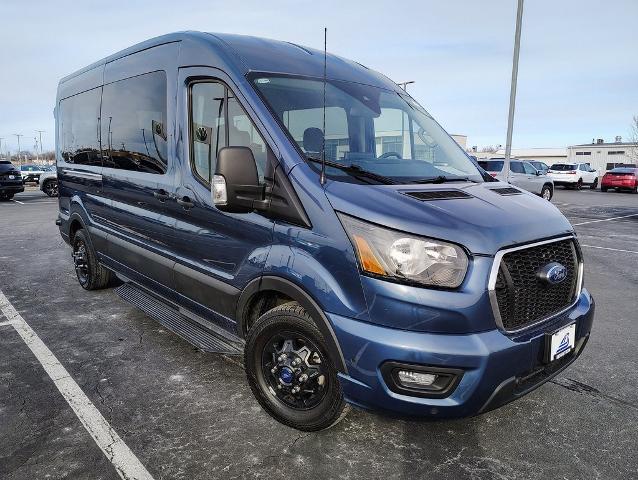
(399, 255)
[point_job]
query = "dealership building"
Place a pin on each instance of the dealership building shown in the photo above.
(604, 156)
(599, 154)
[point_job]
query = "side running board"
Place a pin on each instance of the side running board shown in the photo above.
(198, 331)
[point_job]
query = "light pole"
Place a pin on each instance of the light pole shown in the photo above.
(1, 138)
(40, 132)
(18, 135)
(510, 118)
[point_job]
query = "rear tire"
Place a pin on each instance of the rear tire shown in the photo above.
(603, 189)
(91, 275)
(594, 185)
(5, 197)
(282, 347)
(579, 184)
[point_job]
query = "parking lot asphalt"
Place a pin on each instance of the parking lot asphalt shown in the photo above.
(190, 415)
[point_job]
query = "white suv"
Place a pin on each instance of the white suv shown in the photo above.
(573, 175)
(522, 174)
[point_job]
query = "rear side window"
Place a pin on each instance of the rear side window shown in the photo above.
(218, 120)
(134, 124)
(517, 167)
(561, 167)
(78, 128)
(491, 165)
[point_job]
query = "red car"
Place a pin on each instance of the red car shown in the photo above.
(621, 178)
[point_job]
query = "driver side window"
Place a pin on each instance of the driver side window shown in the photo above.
(218, 120)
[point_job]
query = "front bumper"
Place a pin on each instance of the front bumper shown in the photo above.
(497, 368)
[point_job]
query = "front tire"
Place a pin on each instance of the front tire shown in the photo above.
(289, 370)
(91, 275)
(50, 187)
(579, 184)
(603, 189)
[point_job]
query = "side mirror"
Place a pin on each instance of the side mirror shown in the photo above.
(235, 187)
(538, 173)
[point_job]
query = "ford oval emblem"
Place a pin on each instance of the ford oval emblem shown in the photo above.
(552, 273)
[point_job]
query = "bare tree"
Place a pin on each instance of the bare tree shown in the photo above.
(490, 149)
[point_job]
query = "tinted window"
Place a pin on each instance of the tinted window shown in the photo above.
(529, 170)
(561, 167)
(78, 128)
(516, 167)
(218, 120)
(491, 165)
(134, 124)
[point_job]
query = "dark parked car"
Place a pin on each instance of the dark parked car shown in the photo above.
(390, 276)
(621, 178)
(10, 180)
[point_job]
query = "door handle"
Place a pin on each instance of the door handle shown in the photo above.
(162, 195)
(185, 202)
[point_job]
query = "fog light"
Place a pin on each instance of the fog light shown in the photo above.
(415, 379)
(220, 196)
(420, 380)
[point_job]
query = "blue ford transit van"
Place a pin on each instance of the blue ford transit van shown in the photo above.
(318, 222)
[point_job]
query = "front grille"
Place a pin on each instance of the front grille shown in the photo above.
(522, 297)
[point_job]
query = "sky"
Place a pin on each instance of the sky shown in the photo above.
(578, 72)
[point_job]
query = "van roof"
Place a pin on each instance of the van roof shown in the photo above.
(257, 54)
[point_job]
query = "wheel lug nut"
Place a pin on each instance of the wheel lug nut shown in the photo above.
(282, 357)
(303, 378)
(273, 370)
(295, 389)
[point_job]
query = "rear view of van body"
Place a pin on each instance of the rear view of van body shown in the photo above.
(395, 276)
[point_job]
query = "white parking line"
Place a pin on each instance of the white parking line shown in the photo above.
(605, 219)
(607, 248)
(123, 459)
(17, 201)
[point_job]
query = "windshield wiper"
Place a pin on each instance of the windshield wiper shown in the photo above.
(355, 171)
(444, 179)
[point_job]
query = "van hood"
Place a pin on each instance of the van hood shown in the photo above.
(484, 221)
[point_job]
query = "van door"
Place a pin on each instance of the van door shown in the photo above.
(217, 253)
(138, 178)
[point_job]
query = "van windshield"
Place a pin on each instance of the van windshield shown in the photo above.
(369, 128)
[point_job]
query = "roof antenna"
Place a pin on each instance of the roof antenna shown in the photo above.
(322, 179)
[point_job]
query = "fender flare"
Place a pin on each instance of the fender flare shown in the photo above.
(302, 297)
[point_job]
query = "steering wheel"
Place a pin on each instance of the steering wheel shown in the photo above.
(390, 154)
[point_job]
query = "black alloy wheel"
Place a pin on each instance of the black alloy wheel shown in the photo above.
(290, 372)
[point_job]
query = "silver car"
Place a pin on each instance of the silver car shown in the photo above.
(49, 182)
(522, 174)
